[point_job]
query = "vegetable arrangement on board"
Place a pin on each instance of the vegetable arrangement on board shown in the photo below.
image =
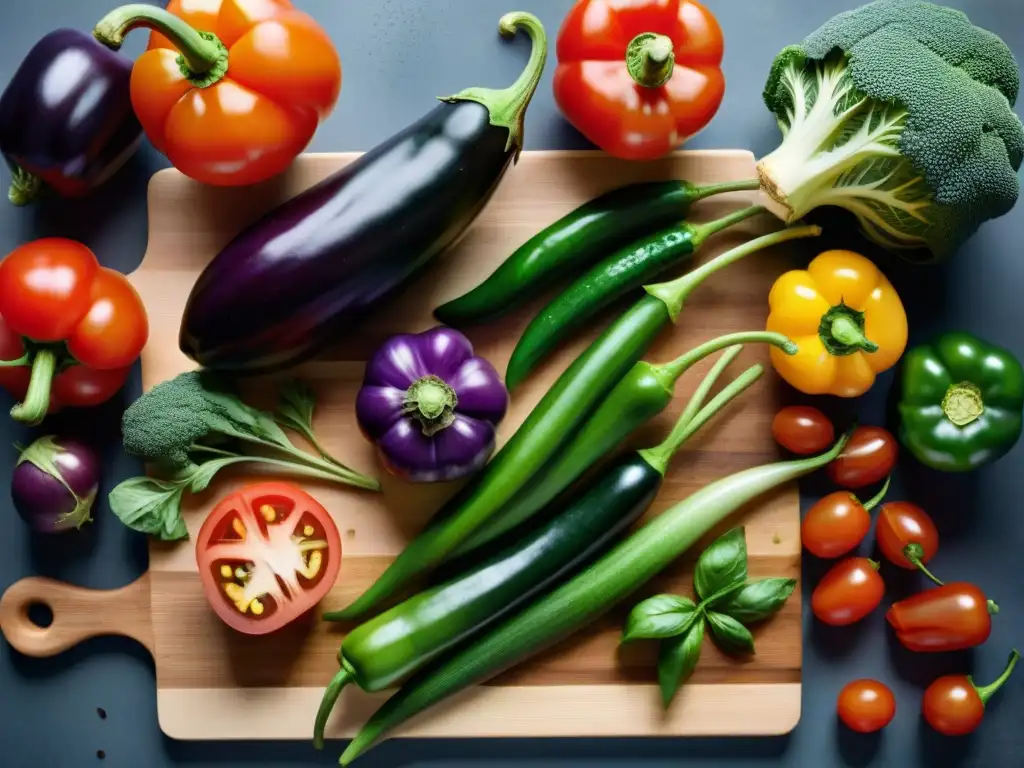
(899, 111)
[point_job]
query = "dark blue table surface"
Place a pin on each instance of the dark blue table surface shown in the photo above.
(398, 54)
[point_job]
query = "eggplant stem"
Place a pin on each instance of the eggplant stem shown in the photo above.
(507, 107)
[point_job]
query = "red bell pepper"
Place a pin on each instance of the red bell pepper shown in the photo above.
(639, 78)
(69, 328)
(950, 618)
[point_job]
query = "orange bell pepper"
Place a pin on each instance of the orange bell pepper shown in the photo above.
(846, 320)
(230, 90)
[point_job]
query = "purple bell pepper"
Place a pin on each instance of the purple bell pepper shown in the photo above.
(66, 117)
(431, 406)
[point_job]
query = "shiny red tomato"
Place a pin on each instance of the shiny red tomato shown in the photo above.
(866, 706)
(868, 458)
(901, 524)
(114, 328)
(848, 592)
(952, 617)
(803, 430)
(955, 706)
(835, 525)
(267, 554)
(45, 288)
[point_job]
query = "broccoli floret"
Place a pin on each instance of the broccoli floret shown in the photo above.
(899, 111)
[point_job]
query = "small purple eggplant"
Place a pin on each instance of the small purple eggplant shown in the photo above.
(55, 483)
(431, 406)
(66, 117)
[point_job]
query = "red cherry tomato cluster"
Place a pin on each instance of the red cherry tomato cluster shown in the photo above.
(949, 617)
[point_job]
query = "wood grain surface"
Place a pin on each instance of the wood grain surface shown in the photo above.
(215, 683)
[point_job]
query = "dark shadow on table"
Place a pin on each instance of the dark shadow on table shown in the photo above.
(857, 749)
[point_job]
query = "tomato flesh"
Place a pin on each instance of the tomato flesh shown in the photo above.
(266, 555)
(868, 458)
(803, 430)
(866, 706)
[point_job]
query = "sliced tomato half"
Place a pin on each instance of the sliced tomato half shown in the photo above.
(267, 554)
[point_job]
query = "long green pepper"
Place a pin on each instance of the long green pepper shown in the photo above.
(551, 424)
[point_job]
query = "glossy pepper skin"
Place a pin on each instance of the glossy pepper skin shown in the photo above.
(66, 119)
(361, 234)
(639, 78)
(846, 318)
(961, 401)
(69, 328)
(230, 90)
(952, 617)
(431, 406)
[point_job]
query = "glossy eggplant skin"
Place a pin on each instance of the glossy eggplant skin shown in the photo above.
(66, 116)
(307, 271)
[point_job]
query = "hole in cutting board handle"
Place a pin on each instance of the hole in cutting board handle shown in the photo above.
(39, 614)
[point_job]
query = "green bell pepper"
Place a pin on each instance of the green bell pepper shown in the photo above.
(961, 402)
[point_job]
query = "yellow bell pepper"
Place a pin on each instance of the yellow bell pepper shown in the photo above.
(846, 320)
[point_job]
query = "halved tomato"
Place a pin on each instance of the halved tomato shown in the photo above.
(266, 555)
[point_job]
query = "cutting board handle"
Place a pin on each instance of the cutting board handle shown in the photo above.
(78, 614)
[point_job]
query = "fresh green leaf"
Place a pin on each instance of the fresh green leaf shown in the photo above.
(202, 474)
(659, 617)
(729, 634)
(758, 600)
(150, 506)
(246, 421)
(295, 406)
(722, 564)
(677, 658)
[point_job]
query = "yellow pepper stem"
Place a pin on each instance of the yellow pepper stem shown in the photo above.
(842, 331)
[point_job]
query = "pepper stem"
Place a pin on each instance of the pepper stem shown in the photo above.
(962, 403)
(708, 190)
(432, 403)
(986, 693)
(203, 57)
(675, 292)
(331, 694)
(877, 498)
(842, 331)
(33, 408)
(702, 232)
(650, 59)
(993, 607)
(670, 372)
(659, 456)
(507, 107)
(913, 553)
(23, 360)
(24, 185)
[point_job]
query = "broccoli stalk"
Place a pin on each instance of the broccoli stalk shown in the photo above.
(191, 427)
(900, 112)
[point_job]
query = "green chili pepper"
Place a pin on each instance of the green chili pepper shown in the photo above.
(551, 424)
(644, 392)
(608, 281)
(585, 597)
(578, 239)
(961, 401)
(386, 649)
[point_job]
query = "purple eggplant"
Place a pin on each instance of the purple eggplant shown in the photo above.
(66, 117)
(431, 405)
(55, 483)
(309, 270)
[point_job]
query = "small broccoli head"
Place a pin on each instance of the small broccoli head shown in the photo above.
(899, 111)
(162, 424)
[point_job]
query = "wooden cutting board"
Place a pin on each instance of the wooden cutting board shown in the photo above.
(213, 683)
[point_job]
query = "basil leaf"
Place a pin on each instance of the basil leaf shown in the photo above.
(722, 564)
(659, 617)
(758, 600)
(729, 634)
(677, 658)
(150, 506)
(200, 475)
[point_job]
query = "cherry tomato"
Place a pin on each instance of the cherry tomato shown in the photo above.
(803, 430)
(266, 555)
(866, 706)
(848, 592)
(45, 287)
(868, 457)
(952, 617)
(837, 523)
(900, 524)
(114, 329)
(955, 706)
